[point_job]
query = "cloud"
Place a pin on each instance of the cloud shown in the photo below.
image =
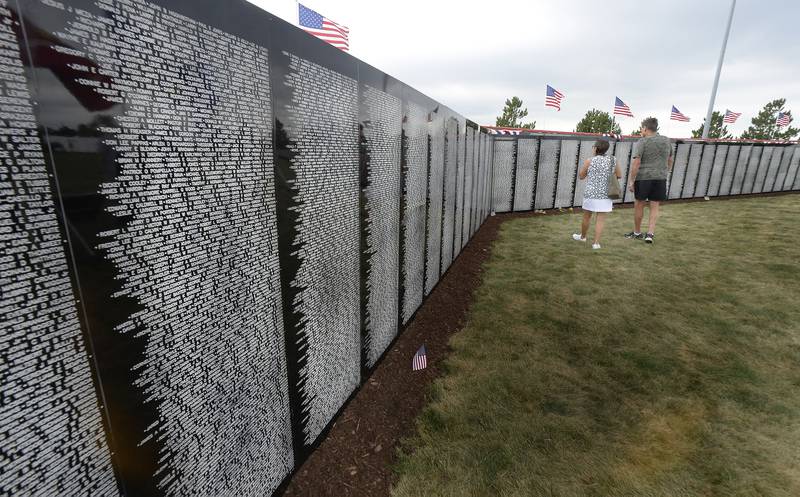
(473, 55)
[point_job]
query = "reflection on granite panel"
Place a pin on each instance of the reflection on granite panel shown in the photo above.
(696, 154)
(52, 441)
(449, 204)
(469, 187)
(324, 125)
(772, 169)
(706, 165)
(435, 194)
(717, 168)
(503, 174)
(674, 154)
(382, 217)
(729, 172)
(527, 152)
(623, 155)
(459, 217)
(546, 176)
(679, 170)
(760, 174)
(783, 169)
(742, 162)
(566, 173)
(416, 164)
(794, 168)
(752, 169)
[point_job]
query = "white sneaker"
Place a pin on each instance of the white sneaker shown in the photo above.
(595, 246)
(577, 237)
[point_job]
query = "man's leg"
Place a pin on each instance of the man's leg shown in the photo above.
(653, 217)
(638, 214)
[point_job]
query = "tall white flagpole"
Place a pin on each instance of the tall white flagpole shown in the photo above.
(707, 125)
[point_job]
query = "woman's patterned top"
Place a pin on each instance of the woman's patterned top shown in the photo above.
(600, 167)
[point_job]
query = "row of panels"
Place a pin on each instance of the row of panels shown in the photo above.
(213, 227)
(542, 173)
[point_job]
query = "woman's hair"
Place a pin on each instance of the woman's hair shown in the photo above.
(601, 147)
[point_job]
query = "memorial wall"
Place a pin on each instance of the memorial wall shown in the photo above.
(213, 227)
(540, 171)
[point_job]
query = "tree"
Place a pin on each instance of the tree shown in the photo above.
(716, 130)
(597, 121)
(513, 114)
(763, 126)
(636, 132)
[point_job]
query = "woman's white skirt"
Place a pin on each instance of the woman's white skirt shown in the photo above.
(598, 204)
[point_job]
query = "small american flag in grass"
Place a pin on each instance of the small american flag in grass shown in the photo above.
(323, 28)
(621, 108)
(731, 117)
(677, 115)
(784, 118)
(553, 98)
(420, 359)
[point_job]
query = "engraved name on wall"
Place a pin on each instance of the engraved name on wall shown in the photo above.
(382, 133)
(52, 441)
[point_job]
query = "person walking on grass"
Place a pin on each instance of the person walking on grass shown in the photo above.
(652, 162)
(596, 171)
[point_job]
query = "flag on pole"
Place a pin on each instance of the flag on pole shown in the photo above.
(323, 28)
(553, 98)
(420, 359)
(621, 108)
(677, 115)
(784, 118)
(731, 117)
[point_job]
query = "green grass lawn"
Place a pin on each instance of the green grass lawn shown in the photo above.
(637, 370)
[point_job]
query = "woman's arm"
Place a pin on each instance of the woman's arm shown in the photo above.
(617, 170)
(585, 169)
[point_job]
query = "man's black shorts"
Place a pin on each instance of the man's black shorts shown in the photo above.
(650, 189)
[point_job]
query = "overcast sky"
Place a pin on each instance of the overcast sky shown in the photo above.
(473, 55)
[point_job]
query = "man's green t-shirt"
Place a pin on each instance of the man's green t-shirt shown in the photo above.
(654, 152)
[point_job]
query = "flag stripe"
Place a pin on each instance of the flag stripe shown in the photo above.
(323, 28)
(621, 108)
(553, 98)
(677, 115)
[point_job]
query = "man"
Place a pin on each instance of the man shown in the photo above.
(648, 180)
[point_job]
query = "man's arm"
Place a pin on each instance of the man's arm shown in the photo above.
(669, 162)
(634, 170)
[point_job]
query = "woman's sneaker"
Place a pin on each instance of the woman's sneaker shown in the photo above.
(595, 246)
(648, 238)
(577, 237)
(634, 235)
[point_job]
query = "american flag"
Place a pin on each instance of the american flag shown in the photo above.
(420, 359)
(731, 117)
(553, 98)
(323, 28)
(784, 118)
(677, 115)
(621, 108)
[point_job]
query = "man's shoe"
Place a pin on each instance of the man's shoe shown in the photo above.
(648, 238)
(634, 235)
(577, 237)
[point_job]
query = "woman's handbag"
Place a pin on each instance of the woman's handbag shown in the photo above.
(614, 191)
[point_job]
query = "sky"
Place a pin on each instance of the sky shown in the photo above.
(472, 56)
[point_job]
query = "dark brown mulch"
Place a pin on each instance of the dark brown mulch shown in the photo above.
(356, 457)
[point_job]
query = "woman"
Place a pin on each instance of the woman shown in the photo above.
(596, 170)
